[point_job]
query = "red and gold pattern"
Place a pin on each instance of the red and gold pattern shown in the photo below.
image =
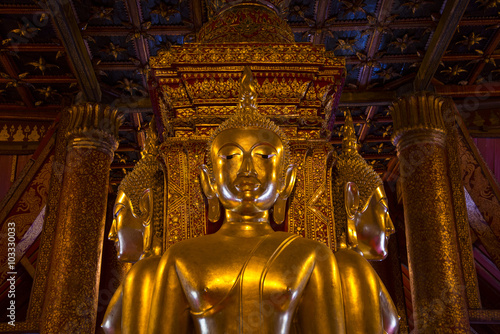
(244, 23)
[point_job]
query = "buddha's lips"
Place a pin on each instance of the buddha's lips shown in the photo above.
(247, 184)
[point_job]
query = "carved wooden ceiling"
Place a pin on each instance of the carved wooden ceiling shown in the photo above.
(54, 53)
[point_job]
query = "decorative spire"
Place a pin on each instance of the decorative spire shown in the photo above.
(248, 93)
(151, 146)
(349, 140)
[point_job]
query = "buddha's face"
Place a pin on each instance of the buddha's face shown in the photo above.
(374, 226)
(126, 230)
(247, 166)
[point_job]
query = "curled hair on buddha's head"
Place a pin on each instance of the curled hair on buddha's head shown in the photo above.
(147, 174)
(352, 167)
(247, 116)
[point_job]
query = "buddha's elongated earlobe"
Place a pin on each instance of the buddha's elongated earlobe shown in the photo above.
(280, 204)
(351, 200)
(213, 209)
(213, 200)
(279, 210)
(146, 206)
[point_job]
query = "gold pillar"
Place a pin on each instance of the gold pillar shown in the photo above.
(437, 285)
(71, 295)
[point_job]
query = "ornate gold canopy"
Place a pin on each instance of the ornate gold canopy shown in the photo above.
(197, 87)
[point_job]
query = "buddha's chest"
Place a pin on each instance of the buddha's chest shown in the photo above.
(243, 283)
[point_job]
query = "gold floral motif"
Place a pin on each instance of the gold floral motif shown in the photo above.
(205, 54)
(185, 216)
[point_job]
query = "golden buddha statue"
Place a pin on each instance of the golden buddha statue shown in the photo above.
(361, 201)
(246, 278)
(137, 231)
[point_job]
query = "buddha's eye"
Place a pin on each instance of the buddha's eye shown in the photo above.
(229, 156)
(266, 156)
(118, 209)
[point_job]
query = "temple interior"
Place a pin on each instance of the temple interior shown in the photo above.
(90, 89)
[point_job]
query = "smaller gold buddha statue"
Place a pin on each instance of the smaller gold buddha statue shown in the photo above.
(361, 202)
(246, 278)
(137, 231)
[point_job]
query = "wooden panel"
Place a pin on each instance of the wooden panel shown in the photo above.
(5, 172)
(490, 150)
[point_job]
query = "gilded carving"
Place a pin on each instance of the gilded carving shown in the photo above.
(233, 26)
(206, 54)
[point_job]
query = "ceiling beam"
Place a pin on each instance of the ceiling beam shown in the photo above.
(492, 46)
(480, 91)
(162, 30)
(141, 47)
(358, 120)
(413, 23)
(321, 15)
(66, 24)
(34, 114)
(46, 79)
(413, 58)
(372, 46)
(452, 13)
(370, 112)
(369, 98)
(34, 47)
(20, 9)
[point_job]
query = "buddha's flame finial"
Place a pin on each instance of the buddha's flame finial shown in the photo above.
(151, 146)
(248, 93)
(349, 140)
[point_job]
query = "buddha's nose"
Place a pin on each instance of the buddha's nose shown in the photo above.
(389, 226)
(247, 168)
(112, 232)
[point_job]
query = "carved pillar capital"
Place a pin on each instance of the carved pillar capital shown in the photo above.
(418, 119)
(93, 126)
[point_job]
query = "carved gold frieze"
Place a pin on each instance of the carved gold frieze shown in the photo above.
(198, 84)
(17, 132)
(302, 54)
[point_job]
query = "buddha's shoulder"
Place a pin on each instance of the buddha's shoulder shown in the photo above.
(303, 244)
(347, 257)
(193, 244)
(143, 268)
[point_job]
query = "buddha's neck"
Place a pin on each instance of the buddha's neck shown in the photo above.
(237, 225)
